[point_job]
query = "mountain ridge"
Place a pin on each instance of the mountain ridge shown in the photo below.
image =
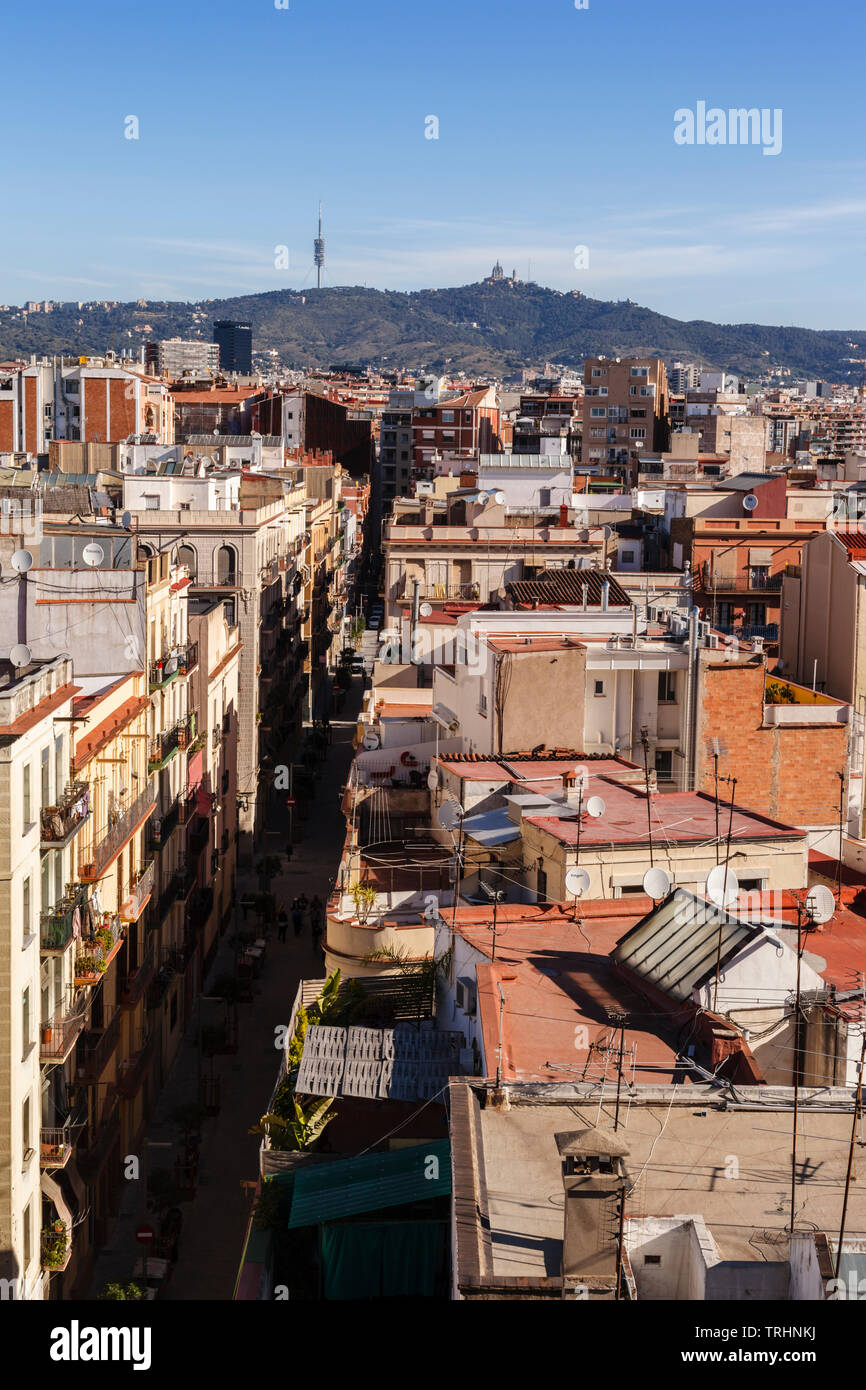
(486, 328)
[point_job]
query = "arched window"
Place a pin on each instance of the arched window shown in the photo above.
(227, 565)
(186, 555)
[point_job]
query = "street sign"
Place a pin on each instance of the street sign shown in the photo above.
(145, 1235)
(290, 801)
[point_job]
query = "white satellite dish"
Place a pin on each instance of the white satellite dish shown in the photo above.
(656, 884)
(433, 780)
(20, 655)
(371, 741)
(595, 807)
(93, 555)
(21, 561)
(577, 882)
(750, 502)
(722, 886)
(499, 498)
(450, 814)
(483, 498)
(820, 903)
(426, 609)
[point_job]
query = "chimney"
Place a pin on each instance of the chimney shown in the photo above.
(563, 514)
(594, 1177)
(605, 595)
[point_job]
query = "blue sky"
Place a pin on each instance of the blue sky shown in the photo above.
(555, 131)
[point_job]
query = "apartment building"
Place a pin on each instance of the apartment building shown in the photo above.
(625, 412)
(466, 547)
(726, 426)
(43, 1005)
(94, 399)
(548, 424)
(458, 425)
(249, 553)
(234, 342)
(395, 444)
(172, 357)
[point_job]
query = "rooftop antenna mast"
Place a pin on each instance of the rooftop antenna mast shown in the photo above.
(319, 252)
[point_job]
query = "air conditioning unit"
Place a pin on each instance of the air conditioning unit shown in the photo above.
(758, 643)
(465, 995)
(713, 640)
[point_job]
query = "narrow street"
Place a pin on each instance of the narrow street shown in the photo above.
(214, 1222)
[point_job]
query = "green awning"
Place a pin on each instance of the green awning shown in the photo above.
(350, 1186)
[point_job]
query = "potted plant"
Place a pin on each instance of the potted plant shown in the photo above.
(364, 898)
(121, 1292)
(106, 939)
(55, 1244)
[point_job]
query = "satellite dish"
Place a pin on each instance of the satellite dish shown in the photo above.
(483, 498)
(450, 814)
(750, 502)
(126, 520)
(502, 593)
(93, 555)
(595, 807)
(426, 609)
(499, 498)
(433, 780)
(577, 882)
(820, 903)
(722, 886)
(371, 740)
(606, 532)
(656, 883)
(20, 655)
(21, 561)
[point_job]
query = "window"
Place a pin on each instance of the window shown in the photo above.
(59, 767)
(758, 576)
(664, 765)
(151, 501)
(28, 1235)
(25, 1130)
(482, 704)
(599, 371)
(637, 432)
(667, 688)
(540, 886)
(652, 1259)
(638, 413)
(25, 1022)
(599, 688)
(639, 371)
(25, 795)
(598, 412)
(45, 778)
(627, 557)
(447, 417)
(25, 907)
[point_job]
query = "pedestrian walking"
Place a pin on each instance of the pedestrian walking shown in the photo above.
(282, 923)
(297, 917)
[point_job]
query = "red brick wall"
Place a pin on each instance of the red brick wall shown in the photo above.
(7, 423)
(788, 772)
(31, 432)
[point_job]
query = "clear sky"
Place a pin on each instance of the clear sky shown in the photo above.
(556, 131)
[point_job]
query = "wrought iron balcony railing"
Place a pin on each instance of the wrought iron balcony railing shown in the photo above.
(63, 821)
(121, 829)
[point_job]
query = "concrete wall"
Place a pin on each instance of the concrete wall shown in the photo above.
(685, 1250)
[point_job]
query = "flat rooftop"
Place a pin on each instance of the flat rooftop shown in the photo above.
(679, 1146)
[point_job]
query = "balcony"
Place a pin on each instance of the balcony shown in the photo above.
(438, 593)
(95, 1047)
(121, 829)
(216, 579)
(132, 906)
(754, 581)
(59, 1032)
(173, 964)
(137, 979)
(56, 924)
(161, 828)
(746, 631)
(177, 662)
(56, 1145)
(200, 908)
(165, 745)
(97, 1141)
(133, 1070)
(61, 823)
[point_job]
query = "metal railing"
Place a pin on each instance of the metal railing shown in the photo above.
(747, 582)
(426, 591)
(60, 822)
(134, 904)
(95, 1047)
(216, 579)
(56, 1144)
(177, 661)
(56, 924)
(132, 1070)
(59, 1032)
(165, 744)
(117, 835)
(138, 978)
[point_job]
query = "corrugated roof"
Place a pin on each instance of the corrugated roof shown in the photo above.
(568, 586)
(676, 945)
(373, 1182)
(377, 1063)
(492, 827)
